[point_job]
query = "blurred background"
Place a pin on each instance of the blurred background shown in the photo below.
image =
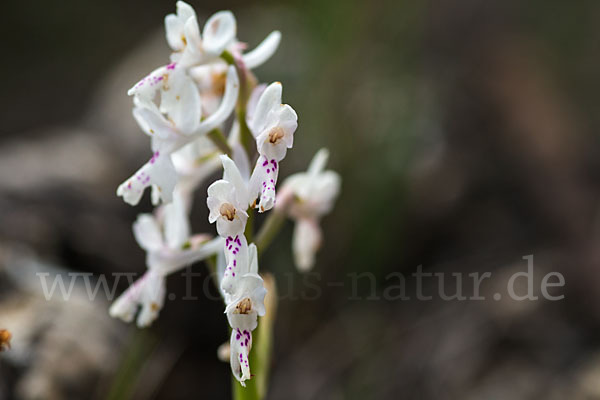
(466, 134)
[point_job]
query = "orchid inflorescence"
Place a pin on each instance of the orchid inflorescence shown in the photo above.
(184, 107)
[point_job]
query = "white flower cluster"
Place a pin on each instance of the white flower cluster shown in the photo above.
(184, 107)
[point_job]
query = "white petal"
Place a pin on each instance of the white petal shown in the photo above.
(147, 232)
(253, 102)
(158, 171)
(325, 190)
(154, 124)
(240, 345)
(172, 260)
(145, 90)
(180, 100)
(221, 266)
(263, 51)
(317, 164)
(288, 120)
(126, 304)
(305, 243)
(231, 228)
(152, 299)
(192, 53)
(253, 257)
(185, 11)
(147, 292)
(214, 203)
(155, 195)
(269, 99)
(219, 31)
(233, 175)
(174, 32)
(222, 190)
(240, 158)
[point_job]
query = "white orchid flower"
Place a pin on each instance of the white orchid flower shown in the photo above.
(168, 138)
(247, 294)
(147, 293)
(175, 27)
(189, 46)
(219, 34)
(228, 201)
(273, 124)
(169, 247)
(244, 304)
(306, 197)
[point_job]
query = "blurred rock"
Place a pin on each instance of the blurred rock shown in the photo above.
(60, 348)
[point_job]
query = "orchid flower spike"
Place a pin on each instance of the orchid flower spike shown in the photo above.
(184, 107)
(306, 197)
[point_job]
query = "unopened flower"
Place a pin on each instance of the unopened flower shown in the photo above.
(306, 197)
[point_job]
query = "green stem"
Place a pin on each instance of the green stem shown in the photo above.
(269, 230)
(246, 136)
(219, 140)
(127, 376)
(247, 83)
(249, 231)
(228, 57)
